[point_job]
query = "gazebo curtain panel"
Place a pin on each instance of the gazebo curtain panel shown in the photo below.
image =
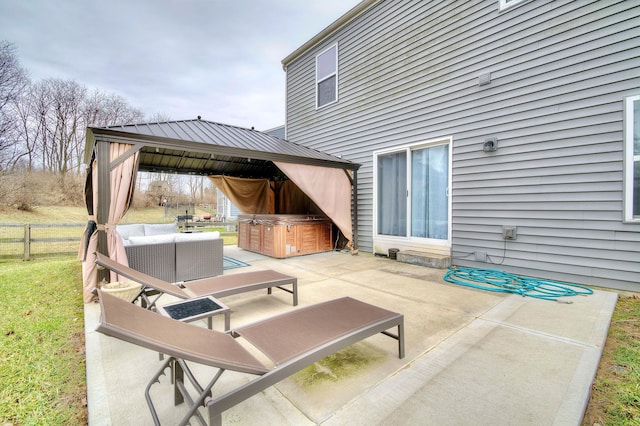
(312, 190)
(262, 196)
(329, 188)
(122, 183)
(248, 195)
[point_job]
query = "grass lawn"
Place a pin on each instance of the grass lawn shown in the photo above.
(65, 214)
(615, 394)
(42, 362)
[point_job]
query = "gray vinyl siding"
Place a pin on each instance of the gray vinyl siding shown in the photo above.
(560, 70)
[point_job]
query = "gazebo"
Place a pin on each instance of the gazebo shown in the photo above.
(258, 172)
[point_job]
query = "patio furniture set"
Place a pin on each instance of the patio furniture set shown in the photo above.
(291, 341)
(161, 251)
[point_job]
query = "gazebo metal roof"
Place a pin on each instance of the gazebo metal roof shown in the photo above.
(208, 148)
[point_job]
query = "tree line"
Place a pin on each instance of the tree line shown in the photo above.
(43, 136)
(43, 123)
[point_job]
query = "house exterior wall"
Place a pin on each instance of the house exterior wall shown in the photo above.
(559, 73)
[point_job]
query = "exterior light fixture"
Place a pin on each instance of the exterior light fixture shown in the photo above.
(490, 145)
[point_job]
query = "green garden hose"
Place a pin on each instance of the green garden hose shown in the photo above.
(503, 282)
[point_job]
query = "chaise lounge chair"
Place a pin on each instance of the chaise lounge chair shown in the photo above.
(291, 341)
(220, 286)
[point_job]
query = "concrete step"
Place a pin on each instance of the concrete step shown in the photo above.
(431, 260)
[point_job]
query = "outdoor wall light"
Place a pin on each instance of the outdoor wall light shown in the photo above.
(490, 145)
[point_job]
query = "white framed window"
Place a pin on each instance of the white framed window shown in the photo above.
(504, 4)
(632, 159)
(327, 77)
(412, 192)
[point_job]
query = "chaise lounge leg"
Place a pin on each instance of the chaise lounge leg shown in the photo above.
(215, 419)
(399, 337)
(178, 377)
(153, 380)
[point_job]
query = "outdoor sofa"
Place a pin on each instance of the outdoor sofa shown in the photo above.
(162, 252)
(219, 286)
(291, 341)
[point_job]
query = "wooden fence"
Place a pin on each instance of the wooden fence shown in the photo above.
(36, 240)
(32, 240)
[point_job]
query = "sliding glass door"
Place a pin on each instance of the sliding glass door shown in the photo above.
(412, 197)
(392, 194)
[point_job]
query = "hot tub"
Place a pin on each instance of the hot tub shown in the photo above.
(285, 235)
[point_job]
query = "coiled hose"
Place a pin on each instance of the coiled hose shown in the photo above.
(503, 282)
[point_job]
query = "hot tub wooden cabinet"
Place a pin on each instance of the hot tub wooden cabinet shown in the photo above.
(283, 236)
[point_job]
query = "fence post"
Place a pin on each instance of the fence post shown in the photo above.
(27, 242)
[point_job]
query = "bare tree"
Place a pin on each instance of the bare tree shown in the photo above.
(43, 125)
(61, 116)
(159, 117)
(29, 127)
(102, 109)
(54, 115)
(194, 184)
(13, 81)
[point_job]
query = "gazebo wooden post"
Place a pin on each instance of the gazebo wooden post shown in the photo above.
(103, 159)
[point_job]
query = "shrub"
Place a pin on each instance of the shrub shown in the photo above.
(25, 190)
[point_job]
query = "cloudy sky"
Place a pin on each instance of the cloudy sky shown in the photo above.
(220, 59)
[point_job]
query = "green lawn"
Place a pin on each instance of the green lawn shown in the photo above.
(65, 214)
(42, 360)
(615, 394)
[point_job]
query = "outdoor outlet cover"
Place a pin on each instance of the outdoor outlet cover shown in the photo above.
(509, 232)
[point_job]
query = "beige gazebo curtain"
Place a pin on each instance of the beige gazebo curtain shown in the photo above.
(250, 196)
(329, 188)
(122, 183)
(89, 242)
(291, 199)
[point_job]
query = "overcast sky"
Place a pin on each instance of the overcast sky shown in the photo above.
(220, 59)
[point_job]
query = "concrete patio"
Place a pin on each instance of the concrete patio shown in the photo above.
(472, 357)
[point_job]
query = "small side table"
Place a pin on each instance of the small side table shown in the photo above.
(197, 308)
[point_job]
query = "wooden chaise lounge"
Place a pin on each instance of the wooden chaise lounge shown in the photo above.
(291, 341)
(219, 286)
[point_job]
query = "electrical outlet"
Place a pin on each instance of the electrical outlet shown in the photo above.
(509, 232)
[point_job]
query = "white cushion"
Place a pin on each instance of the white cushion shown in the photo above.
(152, 239)
(197, 236)
(159, 228)
(127, 231)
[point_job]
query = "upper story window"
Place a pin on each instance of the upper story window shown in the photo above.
(632, 159)
(508, 3)
(327, 76)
